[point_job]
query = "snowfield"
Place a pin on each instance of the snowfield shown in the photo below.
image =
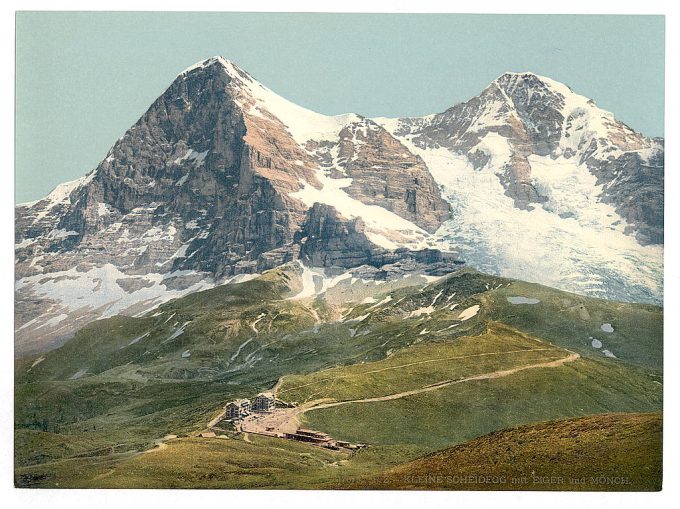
(98, 288)
(586, 253)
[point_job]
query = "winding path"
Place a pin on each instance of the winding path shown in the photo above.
(408, 364)
(286, 420)
(446, 383)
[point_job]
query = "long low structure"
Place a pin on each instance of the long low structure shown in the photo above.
(310, 436)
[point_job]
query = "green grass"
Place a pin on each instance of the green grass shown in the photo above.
(35, 447)
(602, 446)
(457, 413)
(571, 320)
(262, 462)
(136, 392)
(500, 348)
(611, 452)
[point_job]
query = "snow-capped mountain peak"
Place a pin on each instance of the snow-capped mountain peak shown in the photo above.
(258, 100)
(222, 178)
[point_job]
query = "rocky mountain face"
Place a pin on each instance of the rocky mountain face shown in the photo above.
(383, 172)
(201, 190)
(222, 179)
(522, 115)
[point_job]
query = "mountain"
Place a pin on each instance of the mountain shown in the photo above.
(548, 187)
(221, 179)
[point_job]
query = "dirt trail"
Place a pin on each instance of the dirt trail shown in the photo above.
(287, 420)
(447, 383)
(217, 419)
(427, 361)
(159, 444)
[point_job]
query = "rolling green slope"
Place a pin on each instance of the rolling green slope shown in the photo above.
(422, 365)
(122, 383)
(572, 320)
(598, 453)
(464, 411)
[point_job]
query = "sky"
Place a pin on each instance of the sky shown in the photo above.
(83, 78)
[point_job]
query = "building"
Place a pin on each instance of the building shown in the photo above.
(310, 436)
(238, 409)
(264, 402)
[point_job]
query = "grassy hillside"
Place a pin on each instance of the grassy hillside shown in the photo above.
(122, 383)
(499, 348)
(465, 411)
(603, 452)
(597, 453)
(573, 321)
(479, 384)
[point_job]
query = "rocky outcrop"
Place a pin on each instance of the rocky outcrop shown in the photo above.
(634, 185)
(329, 240)
(200, 190)
(463, 128)
(384, 173)
(202, 161)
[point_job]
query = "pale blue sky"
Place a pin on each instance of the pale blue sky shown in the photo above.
(84, 78)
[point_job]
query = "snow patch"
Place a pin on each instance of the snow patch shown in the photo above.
(240, 347)
(177, 333)
(53, 321)
(198, 158)
(315, 281)
(382, 302)
(79, 374)
(383, 228)
(468, 313)
(428, 310)
(523, 300)
(138, 338)
(607, 327)
(38, 361)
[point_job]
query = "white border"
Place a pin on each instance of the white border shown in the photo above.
(170, 499)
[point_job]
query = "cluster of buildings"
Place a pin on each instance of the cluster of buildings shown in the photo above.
(238, 410)
(242, 408)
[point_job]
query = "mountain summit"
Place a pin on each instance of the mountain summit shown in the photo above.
(222, 179)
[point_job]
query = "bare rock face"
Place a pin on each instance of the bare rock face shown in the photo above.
(329, 240)
(204, 162)
(521, 116)
(198, 192)
(634, 183)
(462, 129)
(384, 173)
